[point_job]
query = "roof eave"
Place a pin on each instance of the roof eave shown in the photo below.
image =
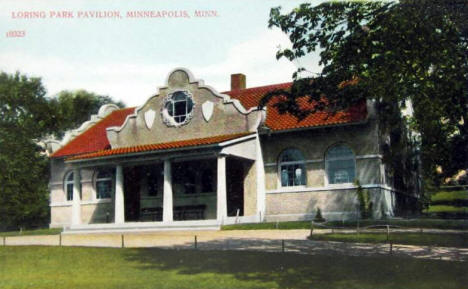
(137, 154)
(272, 131)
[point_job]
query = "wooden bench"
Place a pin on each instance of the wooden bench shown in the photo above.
(193, 212)
(151, 214)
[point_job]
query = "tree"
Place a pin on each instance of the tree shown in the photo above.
(394, 53)
(75, 107)
(25, 116)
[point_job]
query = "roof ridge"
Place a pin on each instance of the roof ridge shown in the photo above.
(256, 87)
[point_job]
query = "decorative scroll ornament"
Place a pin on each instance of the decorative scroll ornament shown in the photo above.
(149, 118)
(207, 110)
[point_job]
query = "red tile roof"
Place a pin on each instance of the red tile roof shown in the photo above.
(95, 138)
(250, 97)
(162, 146)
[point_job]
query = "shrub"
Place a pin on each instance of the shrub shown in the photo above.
(365, 204)
(318, 216)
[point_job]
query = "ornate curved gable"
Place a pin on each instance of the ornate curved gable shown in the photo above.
(184, 109)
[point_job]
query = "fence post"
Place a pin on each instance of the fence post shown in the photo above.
(282, 246)
(4, 240)
(388, 233)
(195, 242)
(391, 248)
(60, 239)
(123, 241)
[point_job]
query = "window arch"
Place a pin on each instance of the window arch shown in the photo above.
(68, 185)
(340, 164)
(104, 184)
(292, 168)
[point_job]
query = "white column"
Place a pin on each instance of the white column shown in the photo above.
(119, 213)
(168, 215)
(76, 205)
(221, 189)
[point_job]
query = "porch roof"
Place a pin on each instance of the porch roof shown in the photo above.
(161, 146)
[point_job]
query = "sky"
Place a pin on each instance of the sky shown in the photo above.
(129, 58)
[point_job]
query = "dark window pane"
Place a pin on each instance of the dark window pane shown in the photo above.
(69, 192)
(180, 108)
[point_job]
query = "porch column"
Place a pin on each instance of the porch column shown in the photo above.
(168, 215)
(221, 189)
(76, 205)
(119, 214)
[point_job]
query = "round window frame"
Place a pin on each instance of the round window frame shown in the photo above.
(167, 118)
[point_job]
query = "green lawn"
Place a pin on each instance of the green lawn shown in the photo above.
(403, 223)
(269, 226)
(32, 232)
(427, 239)
(101, 268)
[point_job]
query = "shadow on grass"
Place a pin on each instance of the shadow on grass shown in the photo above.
(291, 270)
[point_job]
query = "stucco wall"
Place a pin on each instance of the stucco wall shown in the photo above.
(334, 205)
(250, 189)
(294, 203)
(362, 139)
(92, 209)
(226, 117)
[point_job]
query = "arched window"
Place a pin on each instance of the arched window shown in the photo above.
(104, 184)
(340, 164)
(68, 187)
(291, 168)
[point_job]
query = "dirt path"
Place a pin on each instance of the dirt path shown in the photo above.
(262, 240)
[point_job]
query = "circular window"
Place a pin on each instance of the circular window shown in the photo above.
(177, 109)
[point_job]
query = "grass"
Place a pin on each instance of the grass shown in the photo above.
(426, 239)
(450, 196)
(269, 225)
(446, 209)
(405, 223)
(105, 268)
(54, 231)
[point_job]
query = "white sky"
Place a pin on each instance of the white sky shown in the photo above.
(128, 59)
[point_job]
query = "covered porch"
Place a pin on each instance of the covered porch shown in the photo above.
(190, 189)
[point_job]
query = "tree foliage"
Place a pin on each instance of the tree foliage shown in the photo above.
(27, 116)
(391, 52)
(24, 116)
(75, 107)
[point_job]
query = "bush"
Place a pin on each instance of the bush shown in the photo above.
(318, 216)
(365, 205)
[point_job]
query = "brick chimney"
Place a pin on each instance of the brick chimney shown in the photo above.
(238, 81)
